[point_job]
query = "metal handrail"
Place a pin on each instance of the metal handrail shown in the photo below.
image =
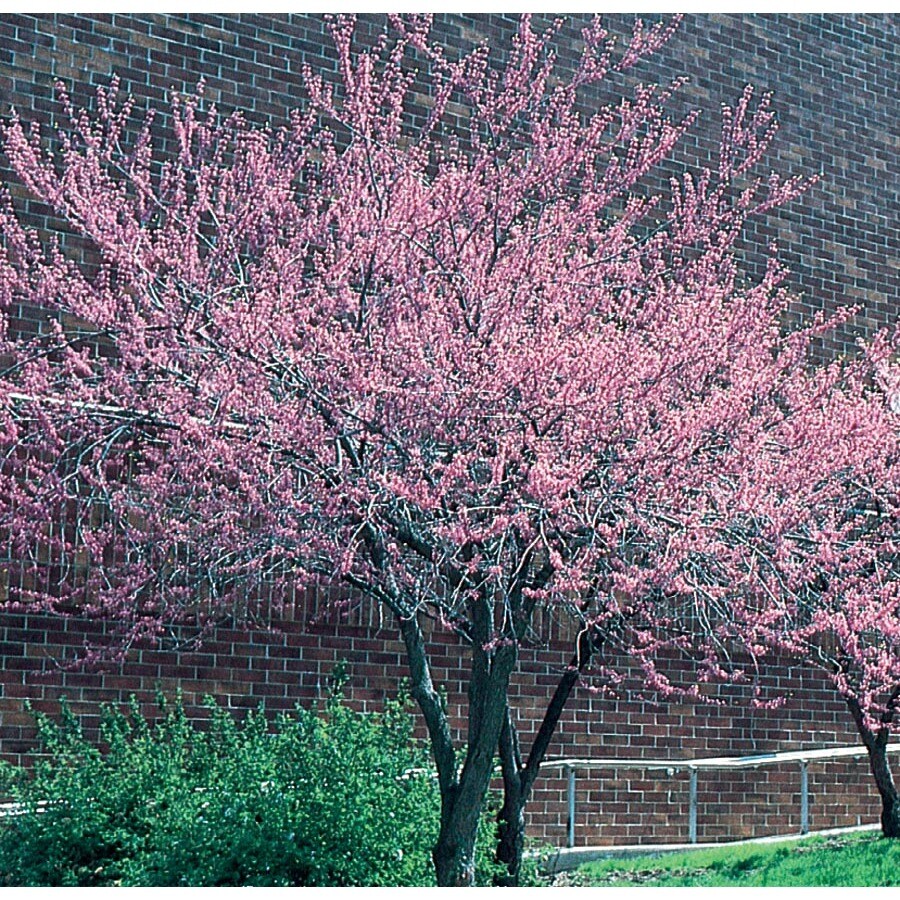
(693, 766)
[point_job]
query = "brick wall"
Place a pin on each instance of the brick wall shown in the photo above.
(834, 79)
(292, 664)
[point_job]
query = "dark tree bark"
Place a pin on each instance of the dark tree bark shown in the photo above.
(518, 779)
(461, 807)
(462, 793)
(511, 818)
(876, 741)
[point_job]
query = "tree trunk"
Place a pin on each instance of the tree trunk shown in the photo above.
(518, 779)
(884, 781)
(462, 805)
(510, 841)
(462, 794)
(454, 852)
(875, 742)
(511, 818)
(462, 798)
(887, 790)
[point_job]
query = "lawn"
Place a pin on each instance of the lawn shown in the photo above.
(859, 860)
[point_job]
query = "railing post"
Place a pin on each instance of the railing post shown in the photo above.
(692, 808)
(570, 823)
(804, 796)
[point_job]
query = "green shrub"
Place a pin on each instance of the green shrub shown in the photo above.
(325, 796)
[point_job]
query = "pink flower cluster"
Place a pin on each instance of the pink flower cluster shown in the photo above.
(466, 369)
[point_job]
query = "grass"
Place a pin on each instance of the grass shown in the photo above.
(857, 860)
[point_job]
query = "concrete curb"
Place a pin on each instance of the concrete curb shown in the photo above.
(572, 857)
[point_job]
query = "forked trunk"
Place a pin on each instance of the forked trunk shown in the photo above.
(463, 792)
(461, 808)
(519, 778)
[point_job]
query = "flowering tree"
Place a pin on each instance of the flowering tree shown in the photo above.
(469, 370)
(826, 589)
